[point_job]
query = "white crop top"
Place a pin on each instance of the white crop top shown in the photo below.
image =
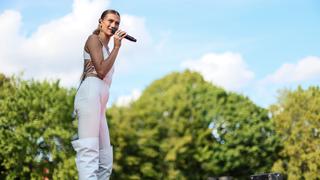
(90, 69)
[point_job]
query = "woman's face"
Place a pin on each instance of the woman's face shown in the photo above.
(108, 22)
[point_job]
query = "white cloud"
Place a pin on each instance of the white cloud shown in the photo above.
(130, 56)
(306, 69)
(305, 72)
(127, 99)
(54, 50)
(228, 70)
(10, 22)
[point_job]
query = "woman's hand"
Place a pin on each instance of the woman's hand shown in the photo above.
(118, 36)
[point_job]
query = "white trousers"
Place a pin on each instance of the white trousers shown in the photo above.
(94, 152)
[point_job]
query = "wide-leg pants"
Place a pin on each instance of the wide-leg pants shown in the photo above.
(90, 105)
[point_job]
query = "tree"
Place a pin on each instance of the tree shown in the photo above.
(36, 129)
(297, 120)
(180, 128)
(185, 128)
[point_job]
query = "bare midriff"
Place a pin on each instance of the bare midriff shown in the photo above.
(89, 69)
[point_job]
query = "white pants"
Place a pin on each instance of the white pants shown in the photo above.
(94, 152)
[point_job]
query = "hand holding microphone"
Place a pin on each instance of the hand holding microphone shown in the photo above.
(128, 37)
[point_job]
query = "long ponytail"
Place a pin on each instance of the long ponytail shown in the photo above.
(96, 31)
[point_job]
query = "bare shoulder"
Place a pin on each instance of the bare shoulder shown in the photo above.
(93, 41)
(93, 37)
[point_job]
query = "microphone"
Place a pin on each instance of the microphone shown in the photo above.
(130, 38)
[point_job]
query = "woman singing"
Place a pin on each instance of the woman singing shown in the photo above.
(94, 152)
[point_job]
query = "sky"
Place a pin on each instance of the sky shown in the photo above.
(252, 47)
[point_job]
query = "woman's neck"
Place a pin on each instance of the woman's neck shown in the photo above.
(104, 39)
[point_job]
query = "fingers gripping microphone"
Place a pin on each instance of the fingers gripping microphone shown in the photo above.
(130, 38)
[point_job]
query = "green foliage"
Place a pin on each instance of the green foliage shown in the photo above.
(180, 128)
(35, 130)
(165, 134)
(297, 120)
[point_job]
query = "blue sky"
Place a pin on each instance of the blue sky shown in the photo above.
(252, 47)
